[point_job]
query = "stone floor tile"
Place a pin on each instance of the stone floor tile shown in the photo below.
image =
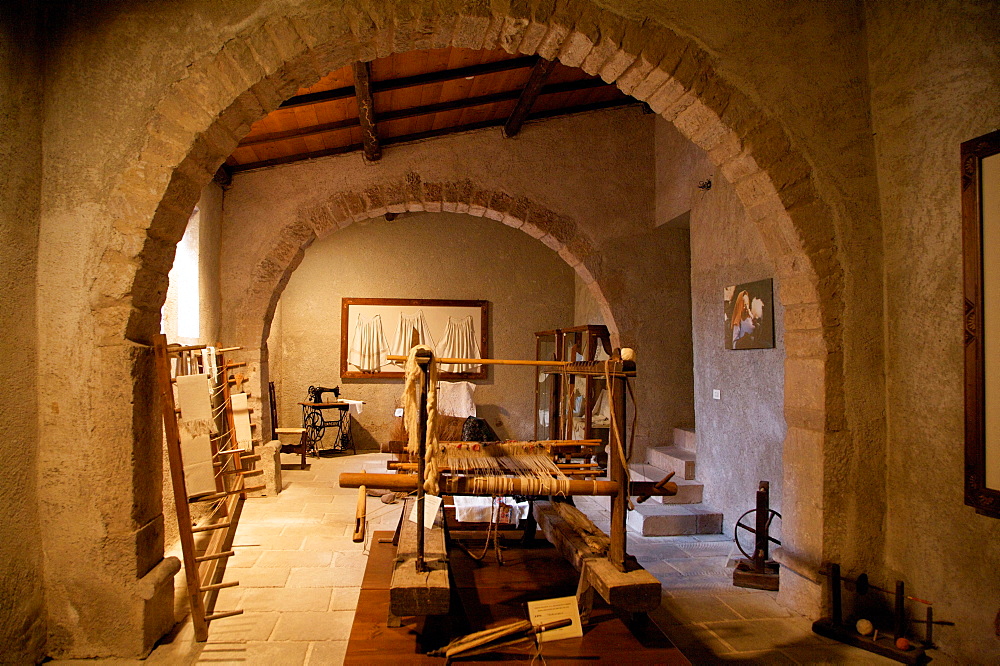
(312, 529)
(258, 577)
(230, 598)
(835, 654)
(708, 548)
(285, 653)
(756, 605)
(325, 577)
(326, 626)
(293, 558)
(332, 543)
(245, 627)
(695, 610)
(350, 561)
(327, 652)
(244, 557)
(702, 566)
(752, 635)
(714, 537)
(344, 598)
(286, 599)
(269, 542)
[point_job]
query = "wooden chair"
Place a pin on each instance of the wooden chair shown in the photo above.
(298, 447)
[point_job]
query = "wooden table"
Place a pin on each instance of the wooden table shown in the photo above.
(487, 595)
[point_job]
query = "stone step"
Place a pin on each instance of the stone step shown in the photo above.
(674, 519)
(672, 459)
(686, 439)
(688, 491)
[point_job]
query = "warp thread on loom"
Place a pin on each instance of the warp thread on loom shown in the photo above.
(411, 414)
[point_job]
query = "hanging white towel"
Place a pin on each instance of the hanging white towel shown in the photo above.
(368, 346)
(459, 341)
(455, 399)
(411, 330)
(241, 419)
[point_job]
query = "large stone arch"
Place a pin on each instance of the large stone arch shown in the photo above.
(249, 326)
(201, 117)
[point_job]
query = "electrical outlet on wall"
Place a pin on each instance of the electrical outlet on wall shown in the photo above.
(716, 394)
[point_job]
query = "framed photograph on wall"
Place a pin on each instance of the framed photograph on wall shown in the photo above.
(371, 329)
(749, 315)
(981, 259)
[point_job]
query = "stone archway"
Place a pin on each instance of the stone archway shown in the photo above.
(202, 116)
(248, 319)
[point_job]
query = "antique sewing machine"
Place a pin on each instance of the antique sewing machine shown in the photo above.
(315, 419)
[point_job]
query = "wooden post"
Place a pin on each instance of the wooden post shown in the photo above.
(760, 553)
(616, 467)
(425, 363)
(366, 111)
(835, 594)
(899, 617)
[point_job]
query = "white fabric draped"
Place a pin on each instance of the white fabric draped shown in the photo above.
(368, 349)
(459, 341)
(411, 330)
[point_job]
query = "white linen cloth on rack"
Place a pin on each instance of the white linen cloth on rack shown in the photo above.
(368, 346)
(411, 330)
(241, 419)
(455, 399)
(459, 341)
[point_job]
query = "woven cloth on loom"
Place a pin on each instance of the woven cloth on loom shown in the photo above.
(495, 467)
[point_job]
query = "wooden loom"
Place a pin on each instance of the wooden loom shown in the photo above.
(202, 561)
(420, 584)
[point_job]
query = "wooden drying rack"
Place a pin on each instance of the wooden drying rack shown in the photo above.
(204, 570)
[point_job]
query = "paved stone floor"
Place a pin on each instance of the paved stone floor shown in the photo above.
(300, 575)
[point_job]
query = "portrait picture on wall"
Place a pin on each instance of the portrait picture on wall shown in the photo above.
(749, 315)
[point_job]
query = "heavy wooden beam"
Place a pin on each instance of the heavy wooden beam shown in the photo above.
(539, 74)
(366, 111)
(411, 81)
(417, 136)
(440, 107)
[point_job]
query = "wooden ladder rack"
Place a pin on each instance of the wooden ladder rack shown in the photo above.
(204, 569)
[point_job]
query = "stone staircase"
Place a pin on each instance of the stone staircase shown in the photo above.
(683, 513)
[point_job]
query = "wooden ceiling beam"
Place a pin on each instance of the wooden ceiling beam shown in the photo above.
(539, 74)
(366, 111)
(440, 107)
(417, 136)
(410, 81)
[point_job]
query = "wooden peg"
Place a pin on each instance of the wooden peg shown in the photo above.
(359, 518)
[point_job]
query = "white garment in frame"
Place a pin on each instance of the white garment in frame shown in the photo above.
(459, 341)
(368, 346)
(411, 330)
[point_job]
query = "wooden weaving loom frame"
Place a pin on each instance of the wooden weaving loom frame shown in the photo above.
(202, 568)
(620, 580)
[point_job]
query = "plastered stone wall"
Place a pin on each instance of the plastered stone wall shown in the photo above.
(925, 103)
(22, 619)
(144, 101)
(741, 436)
(421, 255)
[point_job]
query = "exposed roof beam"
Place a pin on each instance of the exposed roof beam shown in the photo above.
(366, 111)
(417, 136)
(539, 74)
(440, 107)
(410, 81)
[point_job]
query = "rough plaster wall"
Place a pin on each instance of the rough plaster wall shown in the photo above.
(586, 309)
(22, 616)
(740, 436)
(651, 272)
(935, 72)
(595, 168)
(422, 255)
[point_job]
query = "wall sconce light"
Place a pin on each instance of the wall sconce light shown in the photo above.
(705, 185)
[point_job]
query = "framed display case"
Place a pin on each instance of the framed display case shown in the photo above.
(569, 407)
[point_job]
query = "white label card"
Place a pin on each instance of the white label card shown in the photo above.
(431, 505)
(552, 610)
